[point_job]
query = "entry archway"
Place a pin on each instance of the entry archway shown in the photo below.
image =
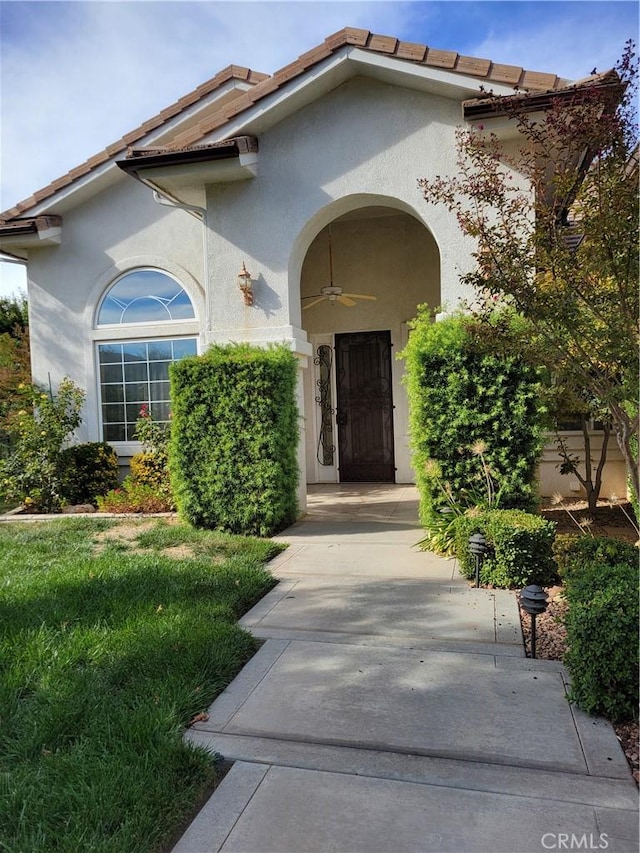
(355, 405)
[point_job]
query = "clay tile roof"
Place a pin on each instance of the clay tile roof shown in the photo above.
(485, 71)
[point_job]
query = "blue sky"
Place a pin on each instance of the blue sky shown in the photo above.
(76, 76)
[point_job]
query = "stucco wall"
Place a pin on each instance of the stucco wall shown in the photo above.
(552, 482)
(119, 229)
(365, 143)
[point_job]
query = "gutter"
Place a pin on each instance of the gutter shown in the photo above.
(140, 159)
(491, 107)
(33, 225)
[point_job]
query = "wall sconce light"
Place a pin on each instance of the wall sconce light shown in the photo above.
(244, 283)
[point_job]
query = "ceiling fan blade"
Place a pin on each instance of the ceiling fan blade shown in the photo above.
(360, 296)
(345, 300)
(315, 302)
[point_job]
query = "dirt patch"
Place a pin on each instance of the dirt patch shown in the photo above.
(572, 516)
(125, 534)
(178, 552)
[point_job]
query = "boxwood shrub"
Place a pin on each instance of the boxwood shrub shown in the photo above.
(469, 384)
(520, 547)
(601, 588)
(88, 471)
(234, 438)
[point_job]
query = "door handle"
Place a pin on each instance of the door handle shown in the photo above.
(341, 418)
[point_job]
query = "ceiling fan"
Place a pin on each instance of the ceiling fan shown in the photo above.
(333, 293)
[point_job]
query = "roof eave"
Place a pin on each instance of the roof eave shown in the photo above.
(476, 109)
(30, 233)
(175, 174)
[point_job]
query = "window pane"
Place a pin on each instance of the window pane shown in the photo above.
(136, 392)
(159, 391)
(181, 307)
(112, 413)
(114, 432)
(145, 296)
(160, 411)
(159, 371)
(112, 394)
(111, 373)
(135, 352)
(133, 412)
(183, 348)
(160, 351)
(131, 432)
(109, 354)
(136, 372)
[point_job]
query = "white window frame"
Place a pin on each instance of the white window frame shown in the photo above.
(142, 332)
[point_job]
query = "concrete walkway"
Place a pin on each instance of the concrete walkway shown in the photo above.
(391, 708)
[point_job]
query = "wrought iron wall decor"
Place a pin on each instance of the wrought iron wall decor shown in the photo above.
(326, 449)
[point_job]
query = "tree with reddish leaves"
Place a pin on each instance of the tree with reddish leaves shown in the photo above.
(556, 230)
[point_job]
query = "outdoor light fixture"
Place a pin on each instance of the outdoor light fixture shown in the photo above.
(244, 283)
(478, 547)
(534, 601)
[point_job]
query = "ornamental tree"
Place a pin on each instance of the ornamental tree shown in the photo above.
(561, 243)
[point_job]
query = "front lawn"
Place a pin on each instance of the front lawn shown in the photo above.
(113, 636)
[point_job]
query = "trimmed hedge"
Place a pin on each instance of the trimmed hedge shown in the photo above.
(234, 438)
(601, 589)
(468, 383)
(88, 471)
(521, 548)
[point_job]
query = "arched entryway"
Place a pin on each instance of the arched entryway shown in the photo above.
(355, 405)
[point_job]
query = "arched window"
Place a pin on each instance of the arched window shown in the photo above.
(134, 368)
(144, 296)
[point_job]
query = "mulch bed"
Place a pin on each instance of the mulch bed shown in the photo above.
(607, 520)
(551, 635)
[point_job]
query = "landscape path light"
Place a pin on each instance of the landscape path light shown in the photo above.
(478, 547)
(534, 601)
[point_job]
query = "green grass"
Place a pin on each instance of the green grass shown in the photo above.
(106, 653)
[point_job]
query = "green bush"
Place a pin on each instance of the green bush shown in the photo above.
(234, 438)
(32, 474)
(88, 471)
(150, 470)
(520, 548)
(134, 497)
(151, 467)
(572, 552)
(468, 387)
(601, 588)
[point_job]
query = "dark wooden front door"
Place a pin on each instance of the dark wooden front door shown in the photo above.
(365, 407)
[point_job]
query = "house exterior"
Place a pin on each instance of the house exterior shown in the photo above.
(307, 181)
